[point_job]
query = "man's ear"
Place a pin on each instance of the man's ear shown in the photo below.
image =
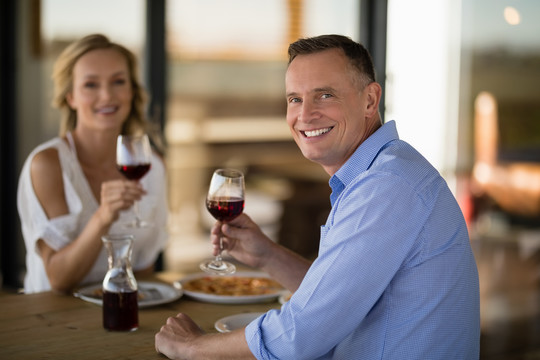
(373, 97)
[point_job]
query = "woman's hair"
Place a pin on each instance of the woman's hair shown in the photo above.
(63, 82)
(358, 56)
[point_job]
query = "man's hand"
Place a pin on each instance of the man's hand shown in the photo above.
(176, 337)
(243, 239)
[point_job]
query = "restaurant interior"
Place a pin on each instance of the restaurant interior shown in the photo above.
(459, 77)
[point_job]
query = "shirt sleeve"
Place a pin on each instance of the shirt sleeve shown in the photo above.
(373, 227)
(56, 232)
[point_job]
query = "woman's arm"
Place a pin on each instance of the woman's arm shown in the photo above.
(68, 266)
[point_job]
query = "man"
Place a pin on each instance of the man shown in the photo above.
(395, 277)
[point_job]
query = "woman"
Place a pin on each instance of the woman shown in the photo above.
(70, 192)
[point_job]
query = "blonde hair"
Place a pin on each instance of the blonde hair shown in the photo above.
(63, 83)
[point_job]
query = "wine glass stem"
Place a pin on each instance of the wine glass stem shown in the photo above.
(136, 211)
(219, 259)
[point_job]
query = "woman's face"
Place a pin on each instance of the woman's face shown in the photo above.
(102, 91)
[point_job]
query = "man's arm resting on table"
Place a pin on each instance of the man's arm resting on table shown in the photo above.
(181, 338)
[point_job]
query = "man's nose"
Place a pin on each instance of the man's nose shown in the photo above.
(308, 112)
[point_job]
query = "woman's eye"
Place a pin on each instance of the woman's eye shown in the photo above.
(90, 85)
(120, 81)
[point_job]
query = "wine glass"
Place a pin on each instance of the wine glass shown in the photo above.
(225, 201)
(133, 160)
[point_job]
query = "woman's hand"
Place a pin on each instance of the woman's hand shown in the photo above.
(116, 196)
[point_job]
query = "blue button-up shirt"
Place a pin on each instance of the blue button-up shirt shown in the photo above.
(395, 277)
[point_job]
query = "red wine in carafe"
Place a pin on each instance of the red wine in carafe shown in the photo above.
(120, 311)
(134, 172)
(225, 209)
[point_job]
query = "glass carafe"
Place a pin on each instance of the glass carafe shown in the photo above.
(120, 306)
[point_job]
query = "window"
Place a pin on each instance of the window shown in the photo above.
(501, 55)
(64, 21)
(226, 106)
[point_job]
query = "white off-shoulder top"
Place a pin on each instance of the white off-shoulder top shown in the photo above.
(60, 231)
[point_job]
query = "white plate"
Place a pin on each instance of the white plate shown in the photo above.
(234, 322)
(284, 297)
(229, 299)
(154, 293)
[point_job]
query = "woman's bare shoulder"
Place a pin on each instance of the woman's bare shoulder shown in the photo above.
(46, 175)
(46, 162)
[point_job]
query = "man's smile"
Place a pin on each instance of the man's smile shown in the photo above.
(317, 132)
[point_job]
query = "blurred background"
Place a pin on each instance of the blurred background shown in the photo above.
(461, 79)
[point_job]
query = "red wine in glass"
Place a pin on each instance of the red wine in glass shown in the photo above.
(225, 209)
(134, 172)
(225, 201)
(133, 160)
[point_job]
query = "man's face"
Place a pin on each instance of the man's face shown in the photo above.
(328, 113)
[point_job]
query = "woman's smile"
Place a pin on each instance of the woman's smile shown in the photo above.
(106, 110)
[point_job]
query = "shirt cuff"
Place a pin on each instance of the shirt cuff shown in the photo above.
(254, 338)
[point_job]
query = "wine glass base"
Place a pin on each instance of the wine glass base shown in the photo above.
(138, 224)
(218, 267)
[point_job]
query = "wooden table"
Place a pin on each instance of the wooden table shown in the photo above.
(55, 326)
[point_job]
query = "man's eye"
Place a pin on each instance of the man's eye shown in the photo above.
(294, 100)
(326, 96)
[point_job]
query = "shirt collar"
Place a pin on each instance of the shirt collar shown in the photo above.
(362, 158)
